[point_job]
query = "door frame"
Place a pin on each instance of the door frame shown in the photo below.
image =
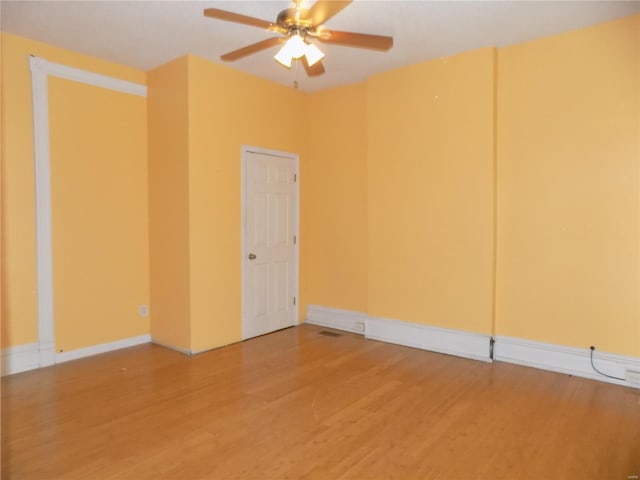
(245, 150)
(41, 69)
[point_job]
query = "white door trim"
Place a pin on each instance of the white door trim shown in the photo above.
(243, 223)
(41, 69)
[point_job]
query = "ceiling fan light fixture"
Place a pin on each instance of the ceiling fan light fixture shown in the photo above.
(297, 25)
(296, 47)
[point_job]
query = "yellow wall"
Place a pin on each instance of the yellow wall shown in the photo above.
(19, 306)
(430, 192)
(568, 194)
(19, 314)
(99, 214)
(334, 198)
(228, 109)
(169, 204)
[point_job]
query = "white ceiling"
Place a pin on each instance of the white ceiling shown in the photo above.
(146, 34)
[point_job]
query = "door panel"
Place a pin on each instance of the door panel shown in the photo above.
(260, 291)
(270, 276)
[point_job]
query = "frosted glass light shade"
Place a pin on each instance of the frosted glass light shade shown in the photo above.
(283, 56)
(313, 54)
(296, 46)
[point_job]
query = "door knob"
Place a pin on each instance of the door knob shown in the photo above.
(252, 256)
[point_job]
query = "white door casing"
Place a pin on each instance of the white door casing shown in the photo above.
(41, 69)
(270, 247)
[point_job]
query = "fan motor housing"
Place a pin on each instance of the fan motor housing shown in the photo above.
(292, 17)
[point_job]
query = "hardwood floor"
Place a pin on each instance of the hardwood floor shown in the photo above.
(297, 404)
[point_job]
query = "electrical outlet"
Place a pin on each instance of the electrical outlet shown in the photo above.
(360, 327)
(632, 376)
(143, 310)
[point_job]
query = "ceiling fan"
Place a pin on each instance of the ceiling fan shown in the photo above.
(298, 26)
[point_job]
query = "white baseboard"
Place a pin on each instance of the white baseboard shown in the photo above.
(346, 320)
(436, 339)
(441, 340)
(569, 360)
(102, 348)
(528, 353)
(20, 358)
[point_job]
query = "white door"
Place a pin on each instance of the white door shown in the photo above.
(270, 270)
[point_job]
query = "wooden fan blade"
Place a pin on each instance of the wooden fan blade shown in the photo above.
(352, 39)
(253, 48)
(236, 17)
(313, 70)
(323, 10)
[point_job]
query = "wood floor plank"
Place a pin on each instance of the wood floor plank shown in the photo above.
(300, 405)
